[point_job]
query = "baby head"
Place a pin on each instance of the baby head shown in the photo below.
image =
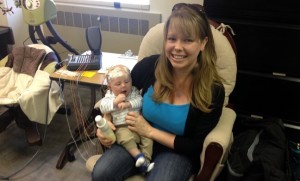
(119, 80)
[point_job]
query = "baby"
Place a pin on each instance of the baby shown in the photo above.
(121, 98)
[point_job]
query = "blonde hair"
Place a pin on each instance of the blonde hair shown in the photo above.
(204, 73)
(117, 71)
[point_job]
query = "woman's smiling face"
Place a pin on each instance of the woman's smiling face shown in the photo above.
(181, 48)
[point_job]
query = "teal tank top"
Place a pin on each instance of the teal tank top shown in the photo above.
(164, 116)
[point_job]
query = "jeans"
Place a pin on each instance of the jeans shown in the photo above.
(117, 164)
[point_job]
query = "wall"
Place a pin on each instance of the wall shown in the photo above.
(121, 29)
(75, 36)
(165, 6)
(15, 21)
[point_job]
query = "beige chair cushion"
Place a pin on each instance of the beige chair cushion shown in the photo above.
(90, 163)
(153, 42)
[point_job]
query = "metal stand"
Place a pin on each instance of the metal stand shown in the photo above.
(55, 38)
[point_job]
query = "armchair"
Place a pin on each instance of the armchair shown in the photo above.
(27, 94)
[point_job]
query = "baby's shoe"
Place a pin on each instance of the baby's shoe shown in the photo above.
(143, 164)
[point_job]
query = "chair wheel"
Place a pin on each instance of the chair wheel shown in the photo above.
(71, 158)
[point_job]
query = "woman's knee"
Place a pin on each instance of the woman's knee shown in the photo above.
(114, 164)
(171, 166)
(100, 170)
(101, 173)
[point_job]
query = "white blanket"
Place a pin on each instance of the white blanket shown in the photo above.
(35, 95)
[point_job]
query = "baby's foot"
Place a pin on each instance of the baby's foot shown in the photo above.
(150, 166)
(139, 162)
(143, 164)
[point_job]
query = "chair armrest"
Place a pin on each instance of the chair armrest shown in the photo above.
(50, 68)
(90, 163)
(216, 146)
(3, 61)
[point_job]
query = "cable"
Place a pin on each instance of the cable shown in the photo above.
(82, 119)
(76, 114)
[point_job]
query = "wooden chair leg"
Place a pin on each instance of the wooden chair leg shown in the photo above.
(5, 119)
(32, 134)
(213, 154)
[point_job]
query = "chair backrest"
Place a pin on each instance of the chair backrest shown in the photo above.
(94, 39)
(50, 62)
(225, 48)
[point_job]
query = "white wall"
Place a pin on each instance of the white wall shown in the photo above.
(15, 21)
(165, 6)
(75, 36)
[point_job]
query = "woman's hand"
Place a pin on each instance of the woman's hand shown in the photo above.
(137, 123)
(105, 141)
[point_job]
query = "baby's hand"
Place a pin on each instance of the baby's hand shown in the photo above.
(119, 99)
(124, 105)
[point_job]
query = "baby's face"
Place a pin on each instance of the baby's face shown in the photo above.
(121, 85)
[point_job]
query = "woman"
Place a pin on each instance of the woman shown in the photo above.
(182, 101)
